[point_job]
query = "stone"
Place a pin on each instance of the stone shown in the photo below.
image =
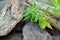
(19, 27)
(44, 1)
(56, 37)
(32, 31)
(13, 36)
(10, 15)
(2, 3)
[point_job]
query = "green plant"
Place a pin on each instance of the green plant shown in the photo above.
(56, 6)
(34, 15)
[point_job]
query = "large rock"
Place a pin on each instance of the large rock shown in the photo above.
(19, 27)
(2, 3)
(44, 1)
(31, 31)
(56, 37)
(13, 36)
(10, 15)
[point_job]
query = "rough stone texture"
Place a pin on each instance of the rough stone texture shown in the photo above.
(13, 36)
(56, 37)
(19, 27)
(44, 1)
(31, 31)
(2, 3)
(10, 15)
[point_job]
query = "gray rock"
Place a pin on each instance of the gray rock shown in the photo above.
(13, 36)
(56, 37)
(19, 27)
(31, 31)
(2, 3)
(44, 1)
(10, 15)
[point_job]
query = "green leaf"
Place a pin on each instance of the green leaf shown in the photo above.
(28, 11)
(47, 24)
(56, 10)
(36, 17)
(46, 10)
(27, 17)
(58, 0)
(33, 20)
(41, 24)
(34, 7)
(26, 14)
(40, 16)
(55, 3)
(32, 17)
(32, 12)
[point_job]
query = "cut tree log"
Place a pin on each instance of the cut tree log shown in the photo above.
(52, 18)
(10, 15)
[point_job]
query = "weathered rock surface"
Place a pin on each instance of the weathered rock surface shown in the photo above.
(2, 3)
(56, 37)
(31, 31)
(10, 15)
(44, 1)
(13, 36)
(19, 27)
